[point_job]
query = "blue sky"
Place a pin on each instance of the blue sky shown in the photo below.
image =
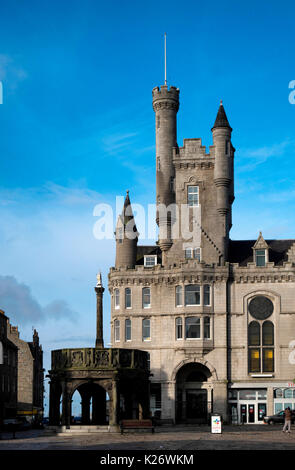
(77, 129)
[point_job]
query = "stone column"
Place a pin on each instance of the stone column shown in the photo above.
(114, 409)
(66, 405)
(99, 289)
(220, 399)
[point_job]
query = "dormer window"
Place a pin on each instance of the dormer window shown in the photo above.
(260, 251)
(150, 261)
(260, 257)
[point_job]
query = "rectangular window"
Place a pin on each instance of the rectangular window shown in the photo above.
(146, 297)
(178, 326)
(192, 328)
(117, 330)
(146, 329)
(178, 296)
(268, 360)
(197, 254)
(120, 235)
(260, 257)
(254, 360)
(188, 253)
(192, 294)
(207, 334)
(150, 261)
(207, 300)
(193, 195)
(128, 329)
(128, 297)
(117, 298)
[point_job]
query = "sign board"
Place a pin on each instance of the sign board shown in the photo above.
(215, 424)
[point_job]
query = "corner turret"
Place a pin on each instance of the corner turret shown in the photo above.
(126, 237)
(223, 174)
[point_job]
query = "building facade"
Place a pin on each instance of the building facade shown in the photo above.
(30, 374)
(217, 316)
(8, 373)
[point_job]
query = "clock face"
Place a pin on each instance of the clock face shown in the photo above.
(260, 307)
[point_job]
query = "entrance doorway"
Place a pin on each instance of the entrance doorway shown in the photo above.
(193, 397)
(196, 404)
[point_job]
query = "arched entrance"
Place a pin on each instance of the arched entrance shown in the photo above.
(93, 404)
(193, 394)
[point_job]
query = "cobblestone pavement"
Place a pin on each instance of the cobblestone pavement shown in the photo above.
(193, 438)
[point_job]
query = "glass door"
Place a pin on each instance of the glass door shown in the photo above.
(251, 413)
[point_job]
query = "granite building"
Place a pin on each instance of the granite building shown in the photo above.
(30, 374)
(217, 316)
(8, 372)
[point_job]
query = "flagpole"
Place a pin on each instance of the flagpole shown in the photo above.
(165, 62)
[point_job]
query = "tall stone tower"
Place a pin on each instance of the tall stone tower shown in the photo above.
(223, 176)
(165, 105)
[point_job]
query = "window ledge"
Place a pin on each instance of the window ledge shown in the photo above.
(262, 375)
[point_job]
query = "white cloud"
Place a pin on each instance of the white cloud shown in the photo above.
(249, 158)
(22, 308)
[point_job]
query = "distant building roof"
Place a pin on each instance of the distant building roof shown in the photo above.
(241, 252)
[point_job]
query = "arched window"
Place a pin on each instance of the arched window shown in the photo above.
(254, 334)
(192, 294)
(146, 297)
(260, 346)
(117, 298)
(127, 329)
(128, 297)
(267, 333)
(178, 327)
(178, 296)
(117, 330)
(146, 329)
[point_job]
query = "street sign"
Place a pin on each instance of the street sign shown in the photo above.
(216, 424)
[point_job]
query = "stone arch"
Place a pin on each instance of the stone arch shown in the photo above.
(197, 361)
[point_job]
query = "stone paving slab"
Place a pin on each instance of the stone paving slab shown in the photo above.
(166, 439)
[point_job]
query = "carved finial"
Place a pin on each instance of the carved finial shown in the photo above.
(99, 280)
(221, 103)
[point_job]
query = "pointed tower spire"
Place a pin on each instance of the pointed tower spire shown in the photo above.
(126, 236)
(221, 118)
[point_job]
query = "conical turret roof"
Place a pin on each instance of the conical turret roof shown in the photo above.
(127, 215)
(221, 118)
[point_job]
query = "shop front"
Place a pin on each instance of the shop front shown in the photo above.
(247, 406)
